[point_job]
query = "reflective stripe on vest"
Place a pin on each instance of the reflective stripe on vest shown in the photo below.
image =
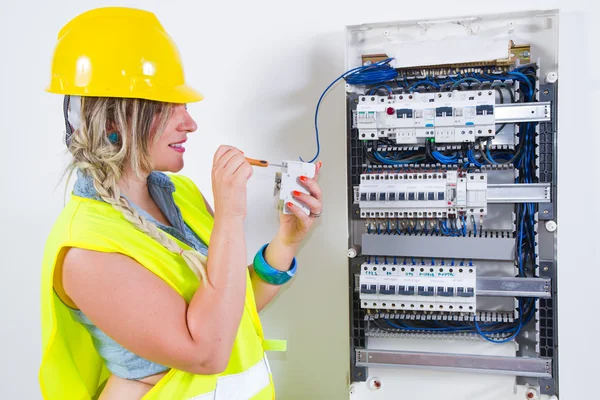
(242, 386)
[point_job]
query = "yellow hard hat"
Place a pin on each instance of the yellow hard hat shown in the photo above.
(119, 52)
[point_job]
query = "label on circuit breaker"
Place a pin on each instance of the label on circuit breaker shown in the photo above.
(422, 195)
(418, 287)
(449, 117)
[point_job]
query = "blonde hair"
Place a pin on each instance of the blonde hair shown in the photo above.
(138, 122)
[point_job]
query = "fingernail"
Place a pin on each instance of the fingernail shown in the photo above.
(290, 205)
(320, 164)
(296, 193)
(303, 178)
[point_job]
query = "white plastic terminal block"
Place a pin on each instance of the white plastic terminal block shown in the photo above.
(291, 172)
(449, 117)
(417, 287)
(422, 195)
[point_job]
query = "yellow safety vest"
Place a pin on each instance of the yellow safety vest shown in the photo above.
(71, 369)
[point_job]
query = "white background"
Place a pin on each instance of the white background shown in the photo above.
(262, 65)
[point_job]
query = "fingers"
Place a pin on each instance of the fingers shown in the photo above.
(238, 164)
(312, 203)
(220, 152)
(231, 162)
(224, 154)
(299, 213)
(312, 186)
(317, 170)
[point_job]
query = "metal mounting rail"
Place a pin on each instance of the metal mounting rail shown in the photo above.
(513, 287)
(519, 193)
(523, 112)
(517, 366)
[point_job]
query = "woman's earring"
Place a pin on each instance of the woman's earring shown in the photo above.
(113, 137)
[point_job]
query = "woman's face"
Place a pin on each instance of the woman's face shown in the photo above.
(167, 151)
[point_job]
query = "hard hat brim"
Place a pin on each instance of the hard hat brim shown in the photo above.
(178, 94)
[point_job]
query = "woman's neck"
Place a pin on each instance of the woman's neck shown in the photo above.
(135, 188)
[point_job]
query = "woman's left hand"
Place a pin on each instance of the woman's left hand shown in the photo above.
(294, 227)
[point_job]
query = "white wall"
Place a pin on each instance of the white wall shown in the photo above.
(262, 65)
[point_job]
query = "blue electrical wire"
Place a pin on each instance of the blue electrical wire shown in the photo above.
(425, 82)
(489, 155)
(389, 89)
(508, 339)
(468, 79)
(472, 159)
(373, 74)
(523, 78)
(444, 159)
(376, 73)
(399, 325)
(388, 161)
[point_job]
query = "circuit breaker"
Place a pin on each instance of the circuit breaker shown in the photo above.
(448, 118)
(451, 145)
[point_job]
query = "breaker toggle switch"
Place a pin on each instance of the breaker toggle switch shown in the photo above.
(368, 289)
(426, 291)
(448, 292)
(390, 289)
(406, 290)
(465, 292)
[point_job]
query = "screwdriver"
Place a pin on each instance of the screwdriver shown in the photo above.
(261, 163)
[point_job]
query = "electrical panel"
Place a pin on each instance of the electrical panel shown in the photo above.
(451, 144)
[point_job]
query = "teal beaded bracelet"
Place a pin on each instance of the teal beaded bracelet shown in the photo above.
(269, 274)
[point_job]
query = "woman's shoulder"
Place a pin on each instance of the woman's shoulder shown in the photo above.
(85, 219)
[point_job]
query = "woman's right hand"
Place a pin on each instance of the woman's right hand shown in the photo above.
(230, 174)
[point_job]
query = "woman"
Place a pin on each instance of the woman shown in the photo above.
(135, 303)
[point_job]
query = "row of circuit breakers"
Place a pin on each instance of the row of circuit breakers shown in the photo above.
(422, 195)
(454, 117)
(418, 287)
